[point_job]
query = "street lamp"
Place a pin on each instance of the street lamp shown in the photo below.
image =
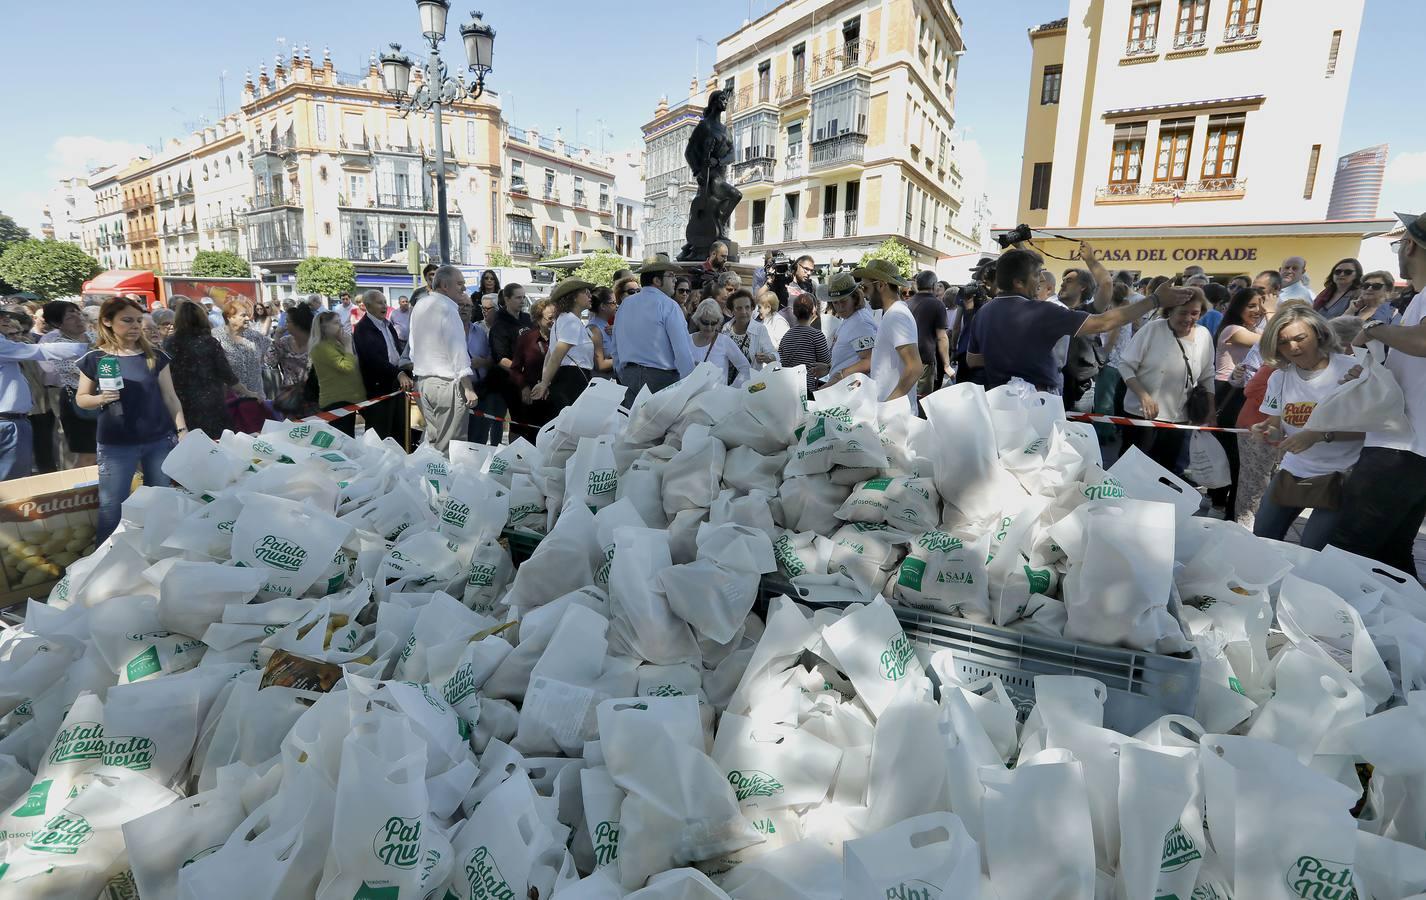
(438, 89)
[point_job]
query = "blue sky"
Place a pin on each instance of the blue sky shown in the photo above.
(134, 73)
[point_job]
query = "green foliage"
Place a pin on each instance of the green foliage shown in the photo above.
(499, 259)
(220, 264)
(599, 268)
(49, 269)
(11, 232)
(326, 275)
(895, 251)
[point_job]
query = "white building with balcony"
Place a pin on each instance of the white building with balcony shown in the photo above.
(1175, 132)
(558, 196)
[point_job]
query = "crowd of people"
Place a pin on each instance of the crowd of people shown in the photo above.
(1255, 355)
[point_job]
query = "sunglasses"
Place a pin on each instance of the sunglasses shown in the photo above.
(626, 292)
(682, 291)
(1339, 272)
(1376, 286)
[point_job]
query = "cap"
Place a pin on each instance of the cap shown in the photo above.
(840, 286)
(881, 270)
(569, 286)
(1415, 226)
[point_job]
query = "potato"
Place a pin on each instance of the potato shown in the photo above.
(64, 559)
(50, 569)
(75, 545)
(34, 576)
(23, 565)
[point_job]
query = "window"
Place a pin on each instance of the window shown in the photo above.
(321, 123)
(1334, 53)
(550, 184)
(1040, 186)
(799, 65)
(470, 137)
(765, 81)
(1175, 144)
(1242, 20)
(604, 196)
(728, 85)
(1192, 24)
(578, 191)
(403, 236)
(522, 235)
(1312, 162)
(851, 40)
(754, 137)
(551, 240)
(1225, 139)
(575, 239)
(840, 109)
(356, 190)
(1143, 27)
(1128, 156)
(1050, 85)
(789, 217)
(854, 194)
(794, 141)
(829, 199)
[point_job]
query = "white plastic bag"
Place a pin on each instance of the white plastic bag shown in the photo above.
(1207, 462)
(925, 856)
(1372, 402)
(691, 480)
(291, 542)
(968, 473)
(873, 651)
(1038, 837)
(944, 573)
(590, 475)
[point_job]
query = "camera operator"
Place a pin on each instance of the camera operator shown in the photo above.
(969, 299)
(796, 282)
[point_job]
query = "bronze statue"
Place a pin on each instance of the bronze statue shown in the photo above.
(709, 153)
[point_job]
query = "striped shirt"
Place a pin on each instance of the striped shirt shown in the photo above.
(804, 345)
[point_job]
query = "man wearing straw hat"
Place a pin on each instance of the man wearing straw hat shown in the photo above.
(652, 347)
(895, 356)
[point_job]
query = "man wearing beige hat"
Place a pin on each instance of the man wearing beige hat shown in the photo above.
(895, 358)
(1384, 498)
(652, 347)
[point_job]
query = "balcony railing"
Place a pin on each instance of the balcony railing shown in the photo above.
(1162, 190)
(759, 233)
(283, 144)
(579, 198)
(269, 199)
(524, 248)
(1188, 40)
(184, 191)
(518, 186)
(552, 194)
(789, 230)
(764, 91)
(829, 225)
(222, 222)
(178, 268)
(848, 56)
(281, 250)
(362, 145)
(404, 201)
(604, 204)
(849, 228)
(517, 134)
(794, 166)
(1236, 32)
(1142, 46)
(141, 234)
(792, 87)
(753, 171)
(844, 148)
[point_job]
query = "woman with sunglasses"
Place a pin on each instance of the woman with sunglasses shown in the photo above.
(263, 322)
(601, 323)
(1341, 289)
(717, 348)
(1373, 301)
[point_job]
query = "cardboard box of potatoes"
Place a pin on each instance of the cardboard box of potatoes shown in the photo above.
(46, 523)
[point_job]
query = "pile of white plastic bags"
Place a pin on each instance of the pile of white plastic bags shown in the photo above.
(314, 671)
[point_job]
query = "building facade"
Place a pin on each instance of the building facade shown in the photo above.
(669, 187)
(559, 197)
(843, 120)
(1173, 124)
(222, 185)
(335, 169)
(140, 220)
(70, 202)
(628, 170)
(1356, 189)
(102, 233)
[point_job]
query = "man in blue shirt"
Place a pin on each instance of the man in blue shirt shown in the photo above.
(16, 441)
(652, 346)
(487, 423)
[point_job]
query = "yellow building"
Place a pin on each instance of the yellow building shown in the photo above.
(140, 226)
(843, 120)
(337, 170)
(1172, 133)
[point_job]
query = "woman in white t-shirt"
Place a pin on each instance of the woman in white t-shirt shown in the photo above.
(775, 324)
(570, 362)
(856, 336)
(1314, 465)
(1164, 364)
(711, 346)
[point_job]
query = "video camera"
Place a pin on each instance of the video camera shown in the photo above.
(781, 266)
(1018, 235)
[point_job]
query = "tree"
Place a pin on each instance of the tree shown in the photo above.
(220, 264)
(326, 275)
(599, 268)
(897, 252)
(11, 232)
(49, 269)
(499, 259)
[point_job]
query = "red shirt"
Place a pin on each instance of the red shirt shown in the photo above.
(1253, 393)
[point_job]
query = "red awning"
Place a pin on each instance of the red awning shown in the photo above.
(121, 281)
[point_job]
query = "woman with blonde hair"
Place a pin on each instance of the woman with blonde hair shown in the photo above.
(129, 379)
(1310, 368)
(338, 374)
(712, 346)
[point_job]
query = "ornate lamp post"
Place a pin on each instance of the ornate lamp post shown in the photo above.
(438, 89)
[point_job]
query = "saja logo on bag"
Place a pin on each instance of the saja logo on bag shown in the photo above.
(82, 740)
(398, 842)
(484, 878)
(1179, 850)
(753, 783)
(1320, 879)
(62, 834)
(279, 553)
(134, 753)
(913, 890)
(606, 843)
(895, 657)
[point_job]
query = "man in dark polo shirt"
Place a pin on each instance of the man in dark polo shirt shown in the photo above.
(933, 343)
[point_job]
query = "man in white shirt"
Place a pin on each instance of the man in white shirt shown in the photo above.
(1294, 280)
(343, 310)
(441, 359)
(1384, 499)
(895, 357)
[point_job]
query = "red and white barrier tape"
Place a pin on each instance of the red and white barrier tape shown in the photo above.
(332, 415)
(1146, 423)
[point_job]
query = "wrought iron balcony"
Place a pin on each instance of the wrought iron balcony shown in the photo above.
(844, 148)
(755, 170)
(1236, 32)
(847, 56)
(284, 144)
(795, 166)
(1189, 40)
(413, 202)
(522, 248)
(579, 198)
(829, 225)
(269, 199)
(789, 230)
(850, 228)
(793, 87)
(518, 186)
(1142, 46)
(759, 233)
(552, 194)
(280, 250)
(1173, 190)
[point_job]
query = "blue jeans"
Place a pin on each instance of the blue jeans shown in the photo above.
(485, 429)
(1273, 521)
(17, 448)
(117, 465)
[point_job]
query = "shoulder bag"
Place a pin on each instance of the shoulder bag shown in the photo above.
(1200, 399)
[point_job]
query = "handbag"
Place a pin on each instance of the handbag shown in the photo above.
(1317, 492)
(1200, 399)
(89, 415)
